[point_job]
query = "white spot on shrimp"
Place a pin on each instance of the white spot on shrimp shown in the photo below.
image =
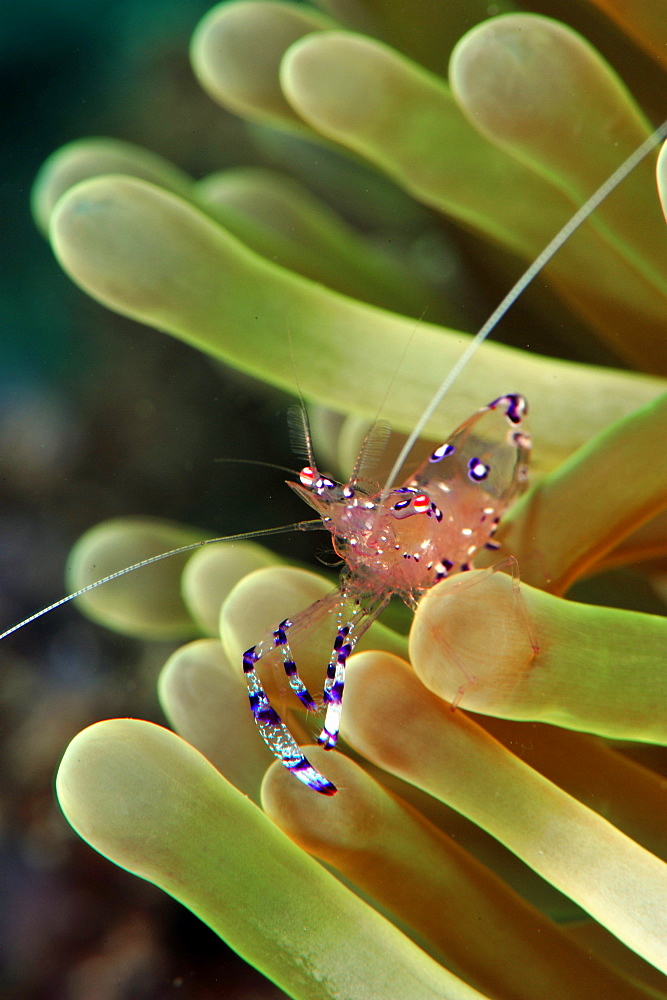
(442, 452)
(477, 470)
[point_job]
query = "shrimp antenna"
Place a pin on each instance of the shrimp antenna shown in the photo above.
(561, 237)
(298, 526)
(375, 441)
(257, 461)
(297, 418)
(299, 433)
(372, 449)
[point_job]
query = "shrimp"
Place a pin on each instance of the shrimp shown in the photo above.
(397, 542)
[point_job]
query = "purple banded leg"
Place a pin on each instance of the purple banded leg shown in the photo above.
(334, 686)
(275, 733)
(300, 690)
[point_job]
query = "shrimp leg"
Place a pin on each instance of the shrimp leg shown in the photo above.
(275, 733)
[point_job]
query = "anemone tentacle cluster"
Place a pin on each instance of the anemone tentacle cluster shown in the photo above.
(517, 851)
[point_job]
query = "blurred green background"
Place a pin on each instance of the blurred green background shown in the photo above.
(100, 417)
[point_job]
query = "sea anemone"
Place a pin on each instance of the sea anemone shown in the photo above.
(514, 851)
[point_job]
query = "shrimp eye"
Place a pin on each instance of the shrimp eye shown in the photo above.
(421, 503)
(307, 476)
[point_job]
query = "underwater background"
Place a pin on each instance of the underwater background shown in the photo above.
(98, 420)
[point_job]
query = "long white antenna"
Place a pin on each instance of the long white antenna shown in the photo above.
(299, 525)
(517, 289)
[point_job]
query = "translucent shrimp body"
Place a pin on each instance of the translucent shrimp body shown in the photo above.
(406, 541)
(400, 542)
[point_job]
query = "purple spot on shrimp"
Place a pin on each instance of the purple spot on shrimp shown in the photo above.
(268, 716)
(263, 712)
(307, 702)
(327, 740)
(290, 667)
(517, 407)
(250, 658)
(442, 452)
(305, 771)
(279, 637)
(493, 546)
(401, 504)
(300, 765)
(448, 564)
(477, 471)
(334, 695)
(341, 636)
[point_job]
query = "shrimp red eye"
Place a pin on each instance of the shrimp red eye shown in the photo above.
(421, 503)
(307, 476)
